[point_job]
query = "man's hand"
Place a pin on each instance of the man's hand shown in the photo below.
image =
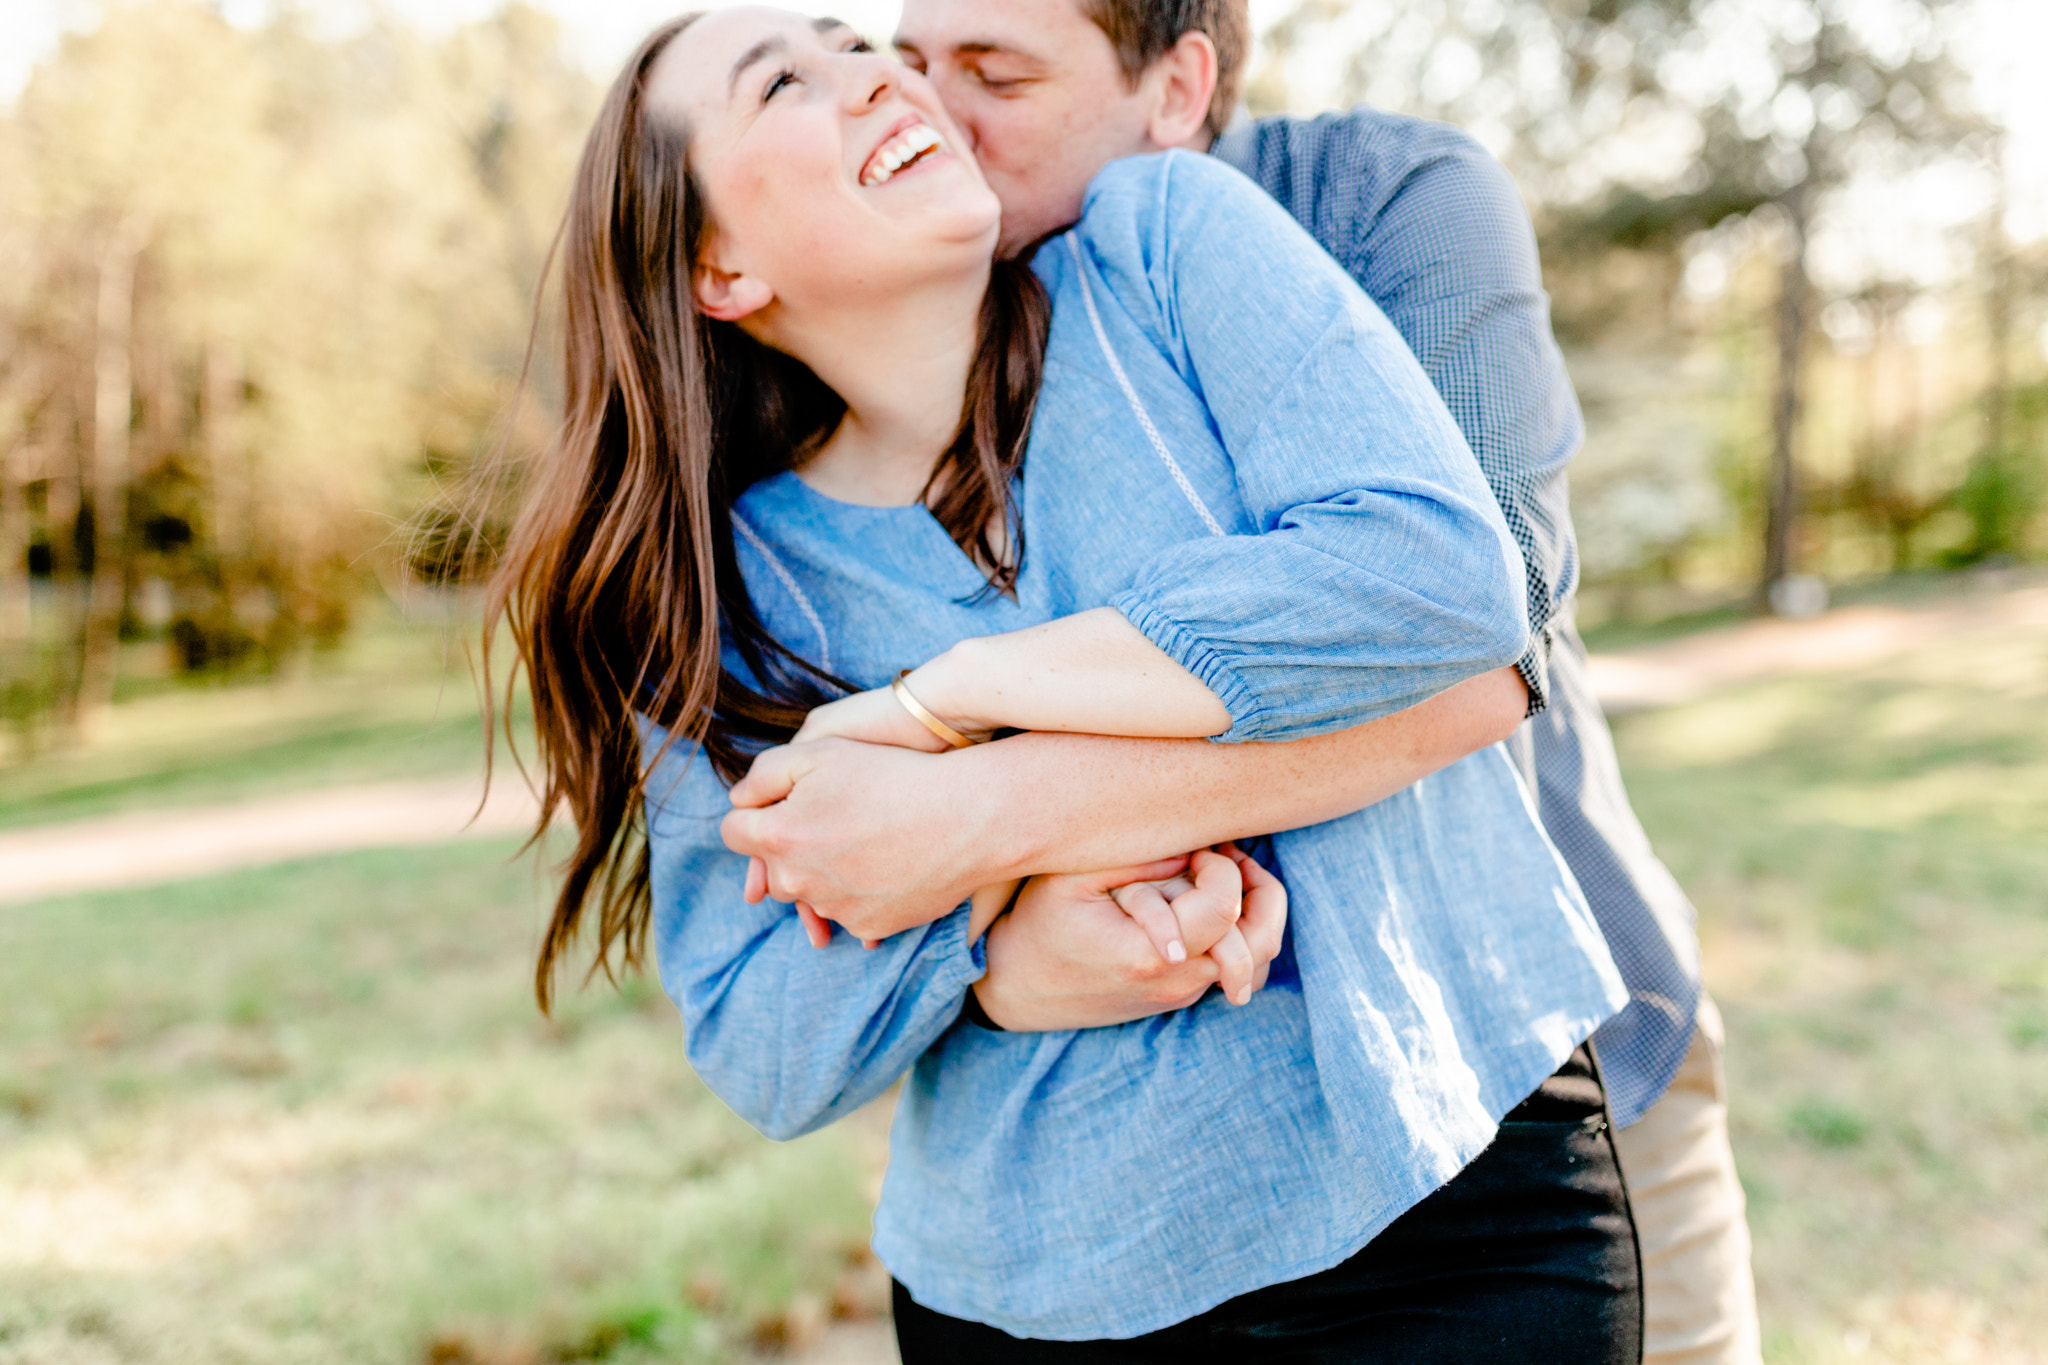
(877, 838)
(882, 839)
(1070, 956)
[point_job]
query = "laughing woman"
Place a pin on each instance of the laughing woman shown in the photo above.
(1176, 479)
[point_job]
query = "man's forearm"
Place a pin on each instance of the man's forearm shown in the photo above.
(881, 838)
(1075, 803)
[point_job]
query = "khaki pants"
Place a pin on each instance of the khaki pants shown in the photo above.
(1699, 1302)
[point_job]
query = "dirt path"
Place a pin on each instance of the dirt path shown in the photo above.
(141, 848)
(148, 847)
(1836, 642)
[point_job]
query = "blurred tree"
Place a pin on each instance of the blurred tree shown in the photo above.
(2003, 490)
(1636, 124)
(262, 286)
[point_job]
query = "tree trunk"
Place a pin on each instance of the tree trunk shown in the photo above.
(113, 402)
(15, 622)
(1998, 317)
(1993, 508)
(1781, 490)
(221, 413)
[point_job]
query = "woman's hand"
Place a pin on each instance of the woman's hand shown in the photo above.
(872, 717)
(1196, 909)
(1069, 955)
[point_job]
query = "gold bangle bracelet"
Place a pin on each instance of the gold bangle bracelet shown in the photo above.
(954, 739)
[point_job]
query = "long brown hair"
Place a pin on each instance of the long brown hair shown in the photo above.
(619, 580)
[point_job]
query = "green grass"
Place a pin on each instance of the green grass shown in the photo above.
(310, 1114)
(1869, 854)
(396, 702)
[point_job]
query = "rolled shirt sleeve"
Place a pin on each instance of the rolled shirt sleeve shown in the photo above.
(1378, 569)
(1433, 229)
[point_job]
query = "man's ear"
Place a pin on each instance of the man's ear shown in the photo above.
(1186, 81)
(729, 295)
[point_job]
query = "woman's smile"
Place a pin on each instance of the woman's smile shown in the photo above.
(911, 142)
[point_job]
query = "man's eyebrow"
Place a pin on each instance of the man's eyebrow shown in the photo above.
(990, 47)
(765, 47)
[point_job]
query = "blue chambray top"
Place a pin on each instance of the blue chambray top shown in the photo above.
(1436, 234)
(1234, 448)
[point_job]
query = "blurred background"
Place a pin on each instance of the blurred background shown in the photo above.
(271, 1084)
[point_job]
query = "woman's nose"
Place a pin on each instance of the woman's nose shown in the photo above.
(872, 80)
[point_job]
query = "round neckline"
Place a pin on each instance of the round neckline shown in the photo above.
(795, 481)
(854, 523)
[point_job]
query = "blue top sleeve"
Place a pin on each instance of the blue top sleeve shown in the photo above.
(791, 1036)
(1434, 230)
(1380, 571)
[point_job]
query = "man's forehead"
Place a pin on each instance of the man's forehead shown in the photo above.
(1037, 29)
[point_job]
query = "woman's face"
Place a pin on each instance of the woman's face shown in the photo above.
(831, 172)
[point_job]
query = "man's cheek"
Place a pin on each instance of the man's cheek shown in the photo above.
(1011, 137)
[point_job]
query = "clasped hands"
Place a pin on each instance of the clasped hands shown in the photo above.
(862, 820)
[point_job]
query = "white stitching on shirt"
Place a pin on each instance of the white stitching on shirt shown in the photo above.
(789, 582)
(1131, 395)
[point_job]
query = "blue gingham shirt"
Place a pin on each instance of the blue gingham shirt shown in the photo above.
(1272, 491)
(1430, 226)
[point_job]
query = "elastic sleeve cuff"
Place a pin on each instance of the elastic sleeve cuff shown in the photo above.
(1248, 716)
(1534, 666)
(960, 963)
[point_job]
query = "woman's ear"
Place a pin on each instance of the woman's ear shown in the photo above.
(729, 295)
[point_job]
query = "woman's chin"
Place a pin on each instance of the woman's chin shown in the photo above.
(944, 212)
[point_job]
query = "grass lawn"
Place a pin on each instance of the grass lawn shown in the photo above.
(397, 701)
(309, 1114)
(1869, 854)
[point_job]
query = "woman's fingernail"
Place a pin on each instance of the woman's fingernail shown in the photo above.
(1244, 997)
(1175, 952)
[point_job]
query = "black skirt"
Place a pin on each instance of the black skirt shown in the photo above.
(1527, 1256)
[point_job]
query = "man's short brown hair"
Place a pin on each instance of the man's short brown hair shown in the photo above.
(1143, 31)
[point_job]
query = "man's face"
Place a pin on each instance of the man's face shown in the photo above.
(1036, 87)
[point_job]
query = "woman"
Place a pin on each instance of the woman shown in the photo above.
(813, 436)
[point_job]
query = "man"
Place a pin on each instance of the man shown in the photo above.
(1049, 91)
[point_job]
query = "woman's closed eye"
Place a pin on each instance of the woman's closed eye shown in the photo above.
(789, 75)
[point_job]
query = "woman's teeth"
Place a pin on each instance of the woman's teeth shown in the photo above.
(894, 155)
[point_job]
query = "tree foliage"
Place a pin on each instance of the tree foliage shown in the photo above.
(1639, 126)
(261, 289)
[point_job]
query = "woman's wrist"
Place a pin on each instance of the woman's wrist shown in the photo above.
(989, 904)
(952, 687)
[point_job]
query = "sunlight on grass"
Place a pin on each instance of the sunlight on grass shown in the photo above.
(309, 1113)
(1869, 854)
